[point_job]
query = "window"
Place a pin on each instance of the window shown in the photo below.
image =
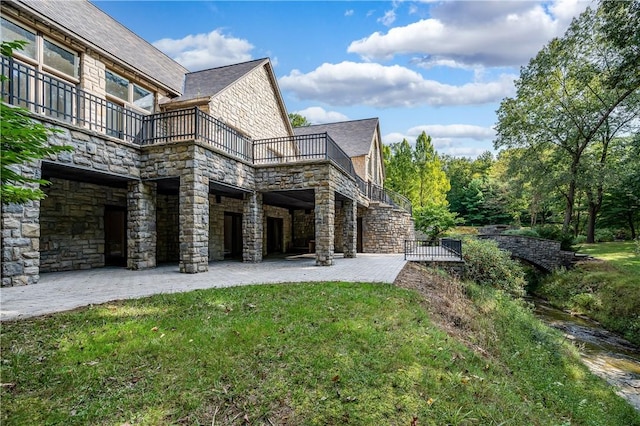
(128, 92)
(33, 86)
(59, 58)
(13, 32)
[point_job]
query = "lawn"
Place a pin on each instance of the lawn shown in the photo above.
(316, 354)
(618, 253)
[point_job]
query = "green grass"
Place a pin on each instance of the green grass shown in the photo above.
(316, 354)
(607, 291)
(619, 253)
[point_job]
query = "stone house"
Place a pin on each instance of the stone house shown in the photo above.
(176, 166)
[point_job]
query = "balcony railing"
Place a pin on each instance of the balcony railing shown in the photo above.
(445, 250)
(44, 94)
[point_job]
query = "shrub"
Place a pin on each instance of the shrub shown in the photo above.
(580, 239)
(604, 235)
(487, 265)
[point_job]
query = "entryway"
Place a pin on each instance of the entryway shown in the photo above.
(115, 236)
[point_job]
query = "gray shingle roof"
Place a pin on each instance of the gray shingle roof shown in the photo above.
(354, 137)
(92, 26)
(212, 81)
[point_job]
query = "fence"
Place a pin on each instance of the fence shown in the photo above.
(445, 250)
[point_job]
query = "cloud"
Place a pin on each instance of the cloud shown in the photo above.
(474, 33)
(202, 51)
(318, 115)
(351, 83)
(444, 134)
(388, 18)
(349, 12)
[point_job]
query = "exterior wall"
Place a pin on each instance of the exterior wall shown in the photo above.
(20, 239)
(216, 223)
(303, 228)
(251, 105)
(167, 225)
(385, 229)
(72, 224)
(287, 236)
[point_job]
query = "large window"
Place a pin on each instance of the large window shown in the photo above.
(46, 85)
(128, 92)
(13, 32)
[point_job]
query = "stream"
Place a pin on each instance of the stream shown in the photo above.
(606, 354)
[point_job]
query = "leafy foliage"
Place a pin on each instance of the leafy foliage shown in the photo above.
(22, 141)
(298, 120)
(487, 265)
(434, 220)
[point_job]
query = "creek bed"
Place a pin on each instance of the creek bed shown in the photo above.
(606, 354)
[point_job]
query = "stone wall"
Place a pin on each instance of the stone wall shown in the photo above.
(251, 105)
(72, 224)
(385, 229)
(303, 228)
(167, 225)
(20, 242)
(287, 237)
(544, 253)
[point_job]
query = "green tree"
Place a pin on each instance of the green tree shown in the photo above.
(435, 219)
(400, 170)
(298, 120)
(22, 141)
(432, 183)
(566, 95)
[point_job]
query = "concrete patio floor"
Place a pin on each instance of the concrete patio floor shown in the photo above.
(63, 291)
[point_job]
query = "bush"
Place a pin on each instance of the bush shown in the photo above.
(604, 235)
(487, 265)
(580, 239)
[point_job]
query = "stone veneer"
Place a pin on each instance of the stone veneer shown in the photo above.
(385, 228)
(252, 105)
(72, 224)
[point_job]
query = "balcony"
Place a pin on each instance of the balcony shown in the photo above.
(46, 95)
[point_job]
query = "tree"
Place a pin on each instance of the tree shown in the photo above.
(22, 141)
(298, 120)
(434, 220)
(432, 183)
(566, 96)
(399, 169)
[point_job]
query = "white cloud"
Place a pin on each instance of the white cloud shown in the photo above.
(388, 18)
(318, 115)
(202, 51)
(351, 83)
(349, 12)
(454, 131)
(475, 32)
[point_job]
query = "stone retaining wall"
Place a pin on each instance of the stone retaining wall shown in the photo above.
(385, 228)
(541, 252)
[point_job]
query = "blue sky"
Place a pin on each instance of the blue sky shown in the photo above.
(441, 67)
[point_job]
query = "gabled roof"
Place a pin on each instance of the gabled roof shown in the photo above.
(90, 25)
(354, 137)
(207, 83)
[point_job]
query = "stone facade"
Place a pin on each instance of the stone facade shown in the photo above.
(543, 253)
(172, 195)
(385, 228)
(252, 106)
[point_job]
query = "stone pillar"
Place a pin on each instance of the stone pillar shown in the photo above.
(20, 244)
(325, 225)
(252, 227)
(141, 225)
(350, 228)
(194, 221)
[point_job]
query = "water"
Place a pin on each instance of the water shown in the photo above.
(606, 354)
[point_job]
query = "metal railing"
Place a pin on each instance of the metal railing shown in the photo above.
(445, 250)
(44, 94)
(194, 124)
(288, 149)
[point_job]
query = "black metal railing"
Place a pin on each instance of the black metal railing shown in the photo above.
(44, 94)
(445, 250)
(194, 124)
(288, 149)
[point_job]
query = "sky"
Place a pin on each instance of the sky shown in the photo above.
(436, 66)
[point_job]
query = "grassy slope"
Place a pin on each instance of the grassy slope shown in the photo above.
(608, 290)
(330, 353)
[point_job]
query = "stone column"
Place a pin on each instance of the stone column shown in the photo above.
(252, 227)
(20, 244)
(325, 225)
(141, 225)
(194, 221)
(350, 228)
